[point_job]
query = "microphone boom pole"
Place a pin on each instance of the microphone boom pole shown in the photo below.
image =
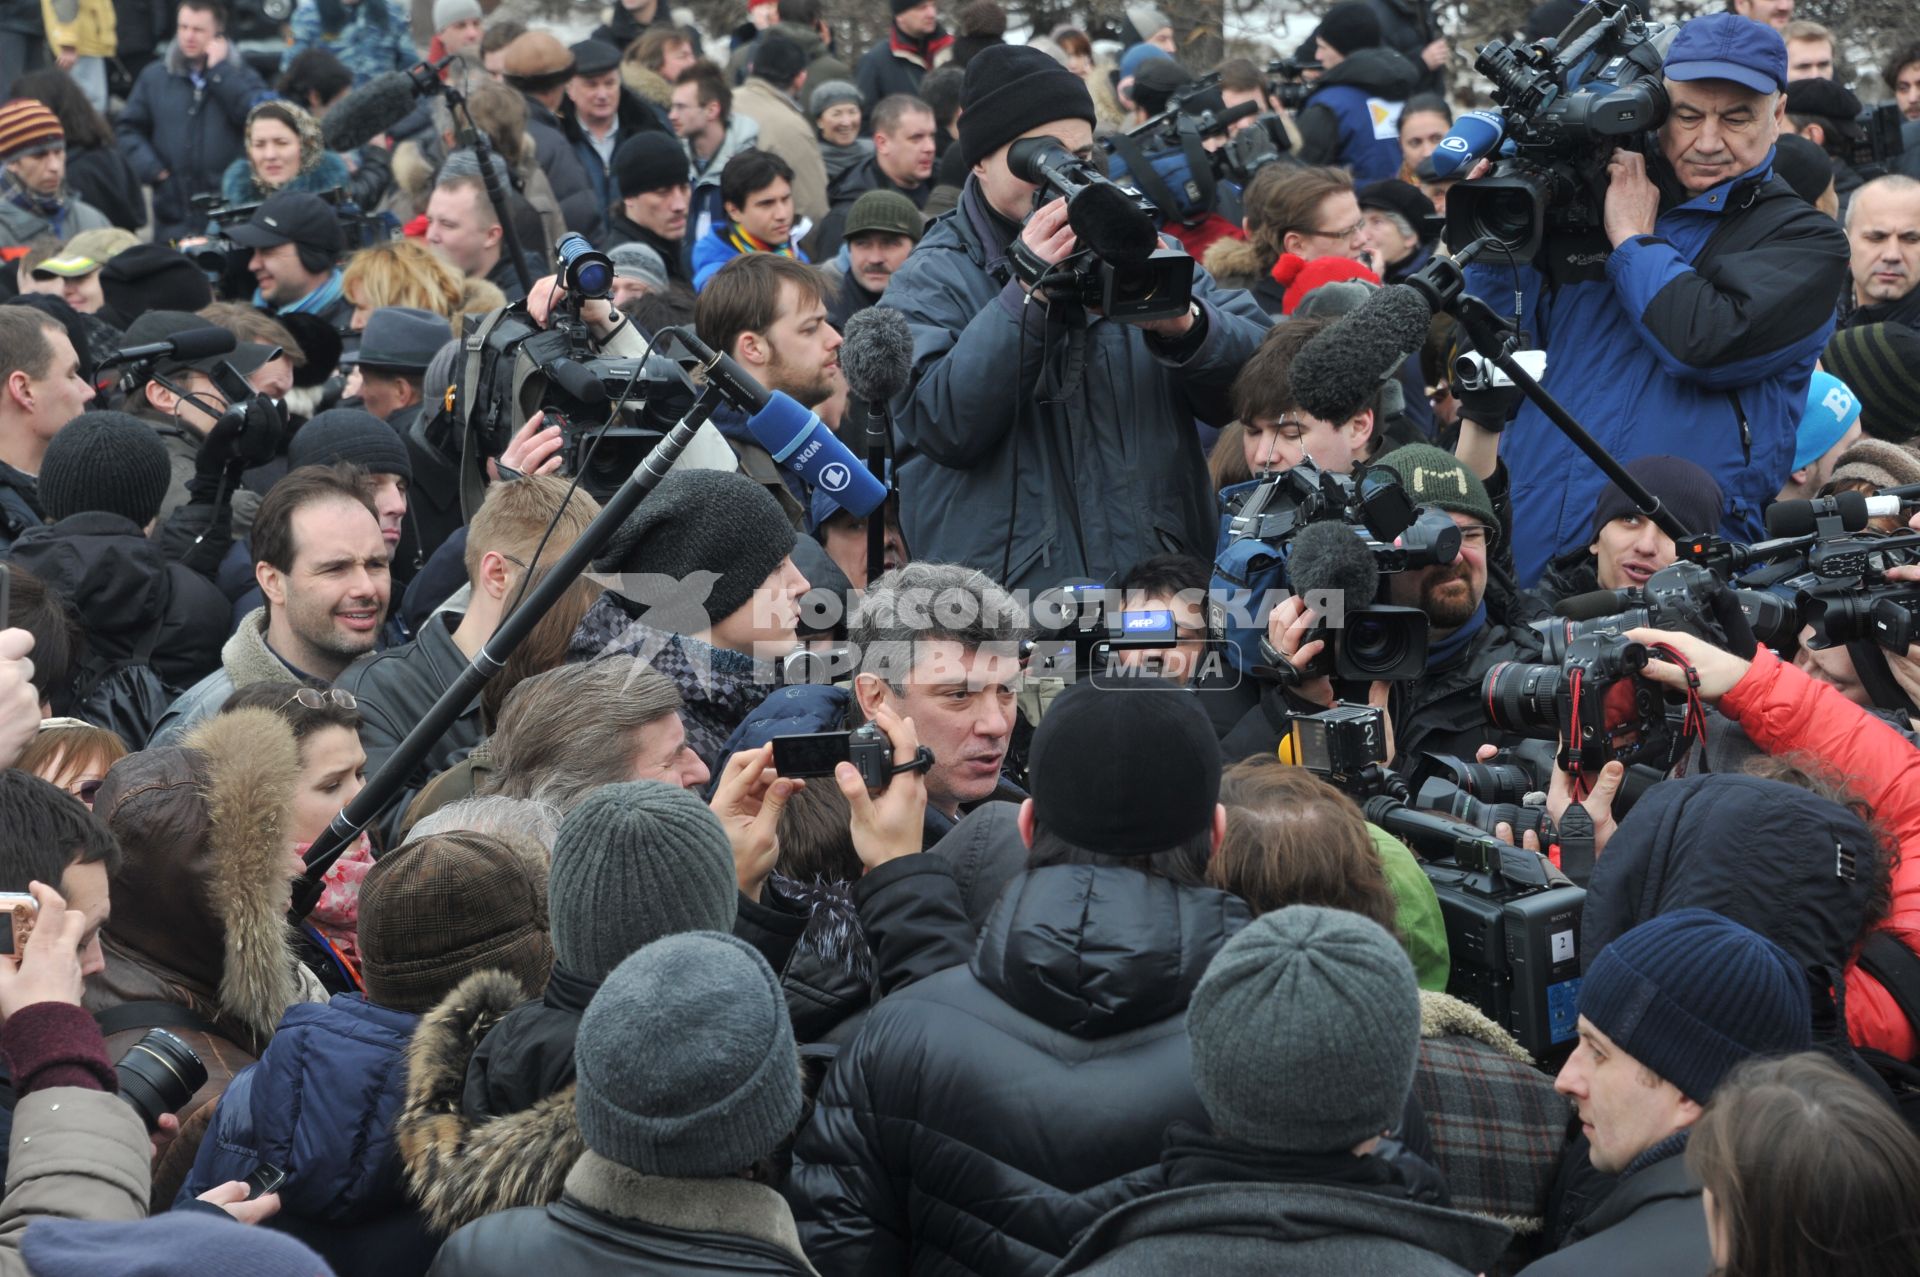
(513, 630)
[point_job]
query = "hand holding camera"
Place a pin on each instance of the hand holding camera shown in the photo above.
(19, 699)
(1633, 201)
(47, 969)
(534, 449)
(748, 800)
(890, 825)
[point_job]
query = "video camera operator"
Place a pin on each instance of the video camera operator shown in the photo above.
(1442, 710)
(1048, 442)
(1690, 323)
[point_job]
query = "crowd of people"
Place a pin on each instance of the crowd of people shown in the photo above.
(798, 893)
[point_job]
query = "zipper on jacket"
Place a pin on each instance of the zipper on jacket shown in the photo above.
(1746, 432)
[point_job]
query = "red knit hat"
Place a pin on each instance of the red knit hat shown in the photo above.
(26, 125)
(1300, 277)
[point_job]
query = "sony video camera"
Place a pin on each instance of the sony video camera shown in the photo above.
(1121, 268)
(611, 412)
(1567, 103)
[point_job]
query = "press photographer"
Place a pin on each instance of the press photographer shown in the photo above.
(1049, 442)
(1681, 294)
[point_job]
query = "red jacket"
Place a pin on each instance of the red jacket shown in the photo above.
(1785, 711)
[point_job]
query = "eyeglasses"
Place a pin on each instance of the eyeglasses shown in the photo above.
(87, 789)
(320, 698)
(1475, 534)
(1348, 233)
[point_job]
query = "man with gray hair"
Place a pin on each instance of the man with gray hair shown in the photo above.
(521, 823)
(566, 732)
(940, 643)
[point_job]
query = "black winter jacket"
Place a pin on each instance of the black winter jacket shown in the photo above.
(616, 1220)
(189, 132)
(579, 205)
(128, 596)
(529, 1054)
(988, 1114)
(395, 689)
(101, 176)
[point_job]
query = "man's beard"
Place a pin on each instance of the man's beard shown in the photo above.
(810, 391)
(1449, 609)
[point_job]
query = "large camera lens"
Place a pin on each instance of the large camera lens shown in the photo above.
(1374, 643)
(158, 1075)
(1522, 698)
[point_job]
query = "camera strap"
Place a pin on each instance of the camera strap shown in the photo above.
(922, 761)
(152, 1015)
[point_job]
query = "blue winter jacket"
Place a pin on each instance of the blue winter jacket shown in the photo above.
(715, 249)
(320, 1105)
(1696, 341)
(1353, 117)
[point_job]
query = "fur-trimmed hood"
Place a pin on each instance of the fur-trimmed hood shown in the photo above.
(1235, 260)
(1445, 1016)
(460, 1169)
(203, 886)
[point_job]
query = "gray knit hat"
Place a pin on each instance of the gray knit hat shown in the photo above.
(686, 1060)
(634, 862)
(830, 93)
(1305, 1031)
(105, 461)
(710, 521)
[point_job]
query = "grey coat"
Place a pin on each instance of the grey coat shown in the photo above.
(1094, 424)
(1650, 1222)
(1303, 1230)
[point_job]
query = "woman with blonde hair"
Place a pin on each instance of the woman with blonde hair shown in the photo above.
(400, 272)
(284, 152)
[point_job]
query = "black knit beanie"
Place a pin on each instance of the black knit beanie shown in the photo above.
(1010, 89)
(352, 435)
(1689, 492)
(704, 521)
(1349, 27)
(109, 462)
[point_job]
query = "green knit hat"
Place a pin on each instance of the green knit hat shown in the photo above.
(1881, 365)
(1433, 476)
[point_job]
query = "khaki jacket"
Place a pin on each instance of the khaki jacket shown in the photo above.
(75, 1154)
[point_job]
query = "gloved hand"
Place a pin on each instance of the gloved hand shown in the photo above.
(247, 435)
(1489, 407)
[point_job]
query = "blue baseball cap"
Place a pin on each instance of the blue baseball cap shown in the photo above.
(1831, 411)
(1726, 46)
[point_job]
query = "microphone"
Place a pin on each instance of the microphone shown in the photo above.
(794, 436)
(1439, 838)
(877, 355)
(576, 381)
(1337, 372)
(1800, 518)
(194, 343)
(1594, 604)
(369, 111)
(1328, 559)
(1473, 137)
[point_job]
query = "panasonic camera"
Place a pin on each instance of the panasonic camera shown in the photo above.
(1568, 103)
(1120, 269)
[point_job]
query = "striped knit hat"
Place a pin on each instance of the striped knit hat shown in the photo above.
(27, 126)
(1881, 365)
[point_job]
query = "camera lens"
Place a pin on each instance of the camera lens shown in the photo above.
(1522, 698)
(1505, 213)
(159, 1074)
(1372, 644)
(1496, 782)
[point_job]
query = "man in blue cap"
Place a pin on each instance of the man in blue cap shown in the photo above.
(1689, 322)
(1829, 426)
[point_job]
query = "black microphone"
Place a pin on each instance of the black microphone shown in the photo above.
(1801, 518)
(877, 355)
(576, 381)
(1595, 603)
(1439, 838)
(194, 343)
(1327, 557)
(369, 111)
(735, 384)
(1337, 372)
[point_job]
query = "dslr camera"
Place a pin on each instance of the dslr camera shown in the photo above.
(1121, 269)
(611, 412)
(1567, 103)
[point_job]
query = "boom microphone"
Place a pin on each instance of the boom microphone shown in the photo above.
(369, 111)
(1337, 372)
(877, 355)
(794, 436)
(1473, 137)
(1326, 559)
(194, 343)
(1801, 518)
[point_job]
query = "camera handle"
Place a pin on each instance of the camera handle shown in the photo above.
(513, 630)
(475, 138)
(1443, 283)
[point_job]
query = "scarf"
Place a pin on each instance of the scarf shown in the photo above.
(1440, 651)
(52, 207)
(744, 242)
(337, 916)
(918, 49)
(320, 299)
(1194, 1157)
